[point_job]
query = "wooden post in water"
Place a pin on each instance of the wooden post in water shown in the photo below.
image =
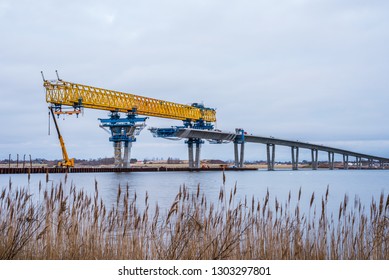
(47, 174)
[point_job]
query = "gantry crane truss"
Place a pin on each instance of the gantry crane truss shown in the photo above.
(60, 92)
(123, 130)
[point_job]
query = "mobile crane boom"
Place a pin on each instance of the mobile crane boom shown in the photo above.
(66, 162)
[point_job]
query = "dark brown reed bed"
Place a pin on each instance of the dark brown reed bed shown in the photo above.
(74, 225)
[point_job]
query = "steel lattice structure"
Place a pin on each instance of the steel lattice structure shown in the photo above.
(60, 92)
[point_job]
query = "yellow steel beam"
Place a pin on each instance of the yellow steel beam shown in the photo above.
(66, 93)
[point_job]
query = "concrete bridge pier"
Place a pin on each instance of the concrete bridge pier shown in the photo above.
(122, 153)
(197, 157)
(370, 163)
(117, 151)
(358, 161)
(239, 155)
(271, 153)
(295, 157)
(194, 159)
(345, 162)
(190, 154)
(127, 154)
(314, 153)
(331, 160)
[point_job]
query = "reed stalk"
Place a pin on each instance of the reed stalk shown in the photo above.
(74, 225)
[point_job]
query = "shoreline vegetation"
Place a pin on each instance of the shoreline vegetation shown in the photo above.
(108, 163)
(73, 225)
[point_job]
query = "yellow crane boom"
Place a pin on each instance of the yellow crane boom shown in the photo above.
(66, 162)
(60, 92)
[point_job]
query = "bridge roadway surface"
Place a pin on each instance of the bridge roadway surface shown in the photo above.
(271, 141)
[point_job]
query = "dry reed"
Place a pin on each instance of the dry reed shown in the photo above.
(79, 226)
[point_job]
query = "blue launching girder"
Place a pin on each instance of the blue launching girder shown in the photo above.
(166, 132)
(171, 132)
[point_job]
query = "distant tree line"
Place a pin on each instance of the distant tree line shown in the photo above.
(171, 160)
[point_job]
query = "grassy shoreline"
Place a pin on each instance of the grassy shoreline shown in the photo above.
(74, 225)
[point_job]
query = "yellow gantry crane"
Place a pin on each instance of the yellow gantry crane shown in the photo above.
(61, 93)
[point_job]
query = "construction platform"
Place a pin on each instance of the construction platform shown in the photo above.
(25, 170)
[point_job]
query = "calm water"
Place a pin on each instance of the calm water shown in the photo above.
(163, 186)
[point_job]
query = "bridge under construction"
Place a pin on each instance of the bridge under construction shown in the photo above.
(128, 114)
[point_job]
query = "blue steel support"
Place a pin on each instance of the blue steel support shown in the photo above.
(123, 132)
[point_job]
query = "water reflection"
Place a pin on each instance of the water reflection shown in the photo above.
(162, 187)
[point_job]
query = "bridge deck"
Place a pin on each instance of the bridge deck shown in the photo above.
(230, 136)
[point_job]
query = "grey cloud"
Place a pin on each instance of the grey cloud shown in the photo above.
(311, 70)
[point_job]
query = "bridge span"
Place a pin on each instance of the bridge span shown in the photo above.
(239, 138)
(198, 123)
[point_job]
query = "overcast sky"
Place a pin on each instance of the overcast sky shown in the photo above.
(308, 70)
